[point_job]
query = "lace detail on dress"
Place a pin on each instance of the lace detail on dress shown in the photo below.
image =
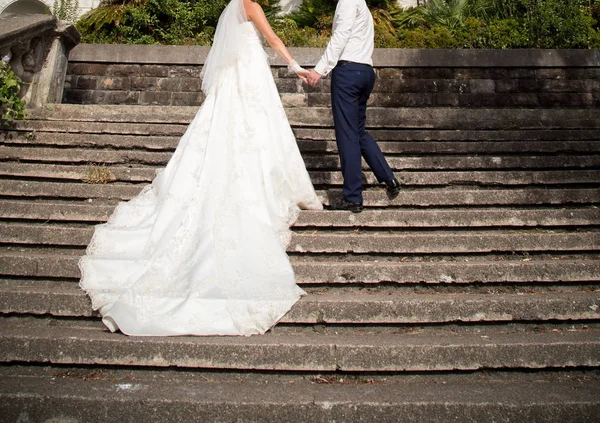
(201, 250)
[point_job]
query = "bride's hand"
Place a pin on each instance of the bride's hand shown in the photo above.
(303, 75)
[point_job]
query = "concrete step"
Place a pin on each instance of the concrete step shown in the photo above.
(326, 143)
(438, 218)
(522, 136)
(61, 126)
(35, 340)
(454, 270)
(62, 263)
(349, 306)
(379, 117)
(437, 242)
(372, 197)
(503, 217)
(21, 189)
(55, 210)
(483, 178)
(466, 162)
(463, 147)
(430, 242)
(110, 396)
(137, 174)
(313, 162)
(84, 156)
(31, 129)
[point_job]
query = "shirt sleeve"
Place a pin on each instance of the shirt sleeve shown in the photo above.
(345, 16)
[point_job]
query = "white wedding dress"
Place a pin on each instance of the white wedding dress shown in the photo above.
(202, 250)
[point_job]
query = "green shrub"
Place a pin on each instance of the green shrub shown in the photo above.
(550, 23)
(594, 39)
(440, 24)
(497, 34)
(434, 37)
(11, 105)
(152, 22)
(293, 36)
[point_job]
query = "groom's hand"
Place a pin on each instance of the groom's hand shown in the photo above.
(314, 77)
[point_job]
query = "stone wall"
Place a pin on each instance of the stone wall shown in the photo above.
(165, 75)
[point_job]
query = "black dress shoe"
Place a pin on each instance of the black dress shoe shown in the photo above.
(393, 188)
(348, 206)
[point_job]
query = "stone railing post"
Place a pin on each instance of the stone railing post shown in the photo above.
(38, 46)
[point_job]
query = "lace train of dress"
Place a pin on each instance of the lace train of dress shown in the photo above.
(201, 251)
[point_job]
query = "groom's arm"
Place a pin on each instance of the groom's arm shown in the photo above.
(345, 16)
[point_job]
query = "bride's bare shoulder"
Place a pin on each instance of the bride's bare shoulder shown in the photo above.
(252, 8)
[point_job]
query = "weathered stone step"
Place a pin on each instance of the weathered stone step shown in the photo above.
(431, 218)
(411, 178)
(413, 243)
(345, 307)
(479, 136)
(50, 263)
(446, 270)
(105, 396)
(77, 173)
(303, 349)
(504, 177)
(489, 197)
(379, 117)
(313, 144)
(462, 147)
(431, 242)
(146, 129)
(16, 188)
(467, 162)
(372, 198)
(85, 212)
(78, 156)
(33, 127)
(55, 211)
(160, 158)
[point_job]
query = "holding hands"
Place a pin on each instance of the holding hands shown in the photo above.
(302, 73)
(314, 77)
(310, 77)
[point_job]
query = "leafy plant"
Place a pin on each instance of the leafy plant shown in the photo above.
(312, 12)
(437, 24)
(11, 105)
(293, 36)
(152, 22)
(498, 34)
(434, 37)
(449, 14)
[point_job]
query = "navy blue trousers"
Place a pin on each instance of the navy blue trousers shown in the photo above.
(351, 86)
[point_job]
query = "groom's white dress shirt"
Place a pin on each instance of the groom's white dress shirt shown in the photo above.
(353, 36)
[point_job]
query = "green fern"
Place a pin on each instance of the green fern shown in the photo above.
(312, 12)
(449, 14)
(110, 13)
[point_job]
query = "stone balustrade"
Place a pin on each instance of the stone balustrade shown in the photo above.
(38, 47)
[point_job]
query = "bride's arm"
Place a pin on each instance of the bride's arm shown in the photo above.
(257, 15)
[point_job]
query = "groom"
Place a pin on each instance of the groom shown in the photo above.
(349, 55)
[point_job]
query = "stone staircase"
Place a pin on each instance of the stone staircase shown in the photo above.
(474, 296)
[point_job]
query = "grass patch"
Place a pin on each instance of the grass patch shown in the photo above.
(98, 175)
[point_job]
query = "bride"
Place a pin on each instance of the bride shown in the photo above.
(202, 250)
